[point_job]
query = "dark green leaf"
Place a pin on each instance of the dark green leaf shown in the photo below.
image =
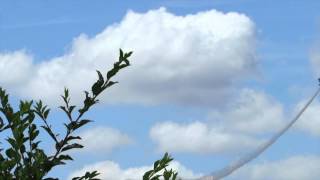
(72, 146)
(110, 83)
(45, 114)
(65, 157)
(11, 153)
(73, 137)
(49, 131)
(121, 55)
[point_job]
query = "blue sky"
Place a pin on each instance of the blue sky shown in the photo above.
(210, 80)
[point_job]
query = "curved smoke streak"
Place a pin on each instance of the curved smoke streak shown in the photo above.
(249, 157)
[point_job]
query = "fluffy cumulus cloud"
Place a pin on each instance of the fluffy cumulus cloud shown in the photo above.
(15, 67)
(112, 171)
(197, 137)
(293, 168)
(192, 60)
(103, 139)
(252, 113)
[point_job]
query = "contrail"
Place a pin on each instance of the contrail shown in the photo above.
(249, 157)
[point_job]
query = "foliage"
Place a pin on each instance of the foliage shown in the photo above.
(158, 166)
(22, 158)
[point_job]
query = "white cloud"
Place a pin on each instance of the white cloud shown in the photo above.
(112, 171)
(251, 114)
(197, 137)
(103, 139)
(310, 121)
(191, 60)
(293, 168)
(15, 68)
(240, 124)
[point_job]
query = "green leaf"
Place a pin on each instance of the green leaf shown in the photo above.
(77, 124)
(112, 72)
(100, 76)
(45, 114)
(72, 146)
(146, 175)
(35, 145)
(73, 137)
(66, 92)
(97, 86)
(88, 176)
(128, 54)
(155, 165)
(65, 97)
(121, 54)
(64, 157)
(34, 134)
(10, 153)
(83, 122)
(71, 108)
(110, 83)
(49, 131)
(1, 123)
(64, 109)
(13, 143)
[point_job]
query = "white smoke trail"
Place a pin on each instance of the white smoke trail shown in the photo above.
(250, 156)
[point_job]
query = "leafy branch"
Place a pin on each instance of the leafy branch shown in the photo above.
(161, 165)
(24, 159)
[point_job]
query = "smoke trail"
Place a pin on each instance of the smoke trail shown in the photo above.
(247, 158)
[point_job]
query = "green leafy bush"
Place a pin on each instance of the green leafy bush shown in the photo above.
(23, 159)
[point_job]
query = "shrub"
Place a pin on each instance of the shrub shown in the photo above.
(24, 159)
